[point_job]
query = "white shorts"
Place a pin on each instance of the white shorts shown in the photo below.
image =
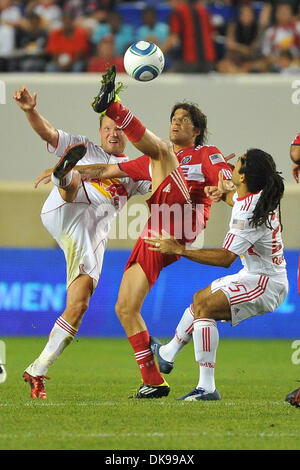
(75, 227)
(251, 294)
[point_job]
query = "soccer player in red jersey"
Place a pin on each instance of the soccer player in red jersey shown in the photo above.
(294, 397)
(179, 170)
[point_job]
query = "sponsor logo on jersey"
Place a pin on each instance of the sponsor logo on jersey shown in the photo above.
(216, 158)
(186, 160)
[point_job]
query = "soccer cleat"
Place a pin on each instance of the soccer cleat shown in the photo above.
(153, 391)
(37, 385)
(107, 93)
(199, 394)
(164, 366)
(294, 398)
(70, 158)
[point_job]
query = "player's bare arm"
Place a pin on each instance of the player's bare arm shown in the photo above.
(96, 171)
(295, 157)
(101, 171)
(169, 246)
(40, 125)
(296, 172)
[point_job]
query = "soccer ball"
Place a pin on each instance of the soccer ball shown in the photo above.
(144, 61)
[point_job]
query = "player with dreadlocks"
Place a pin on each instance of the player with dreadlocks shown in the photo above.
(260, 287)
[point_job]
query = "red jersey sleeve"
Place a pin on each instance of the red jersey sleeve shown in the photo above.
(213, 163)
(296, 140)
(138, 169)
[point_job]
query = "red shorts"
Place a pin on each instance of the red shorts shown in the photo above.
(171, 210)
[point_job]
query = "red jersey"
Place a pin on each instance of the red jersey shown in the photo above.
(192, 24)
(200, 165)
(296, 140)
(59, 43)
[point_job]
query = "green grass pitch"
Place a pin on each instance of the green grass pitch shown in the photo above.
(88, 405)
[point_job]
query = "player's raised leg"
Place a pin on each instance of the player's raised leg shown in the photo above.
(163, 159)
(128, 309)
(208, 308)
(61, 335)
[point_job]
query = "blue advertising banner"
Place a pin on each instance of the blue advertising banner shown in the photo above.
(32, 296)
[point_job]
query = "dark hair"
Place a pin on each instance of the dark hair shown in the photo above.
(199, 120)
(261, 175)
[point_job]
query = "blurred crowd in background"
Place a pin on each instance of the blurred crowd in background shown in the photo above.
(196, 37)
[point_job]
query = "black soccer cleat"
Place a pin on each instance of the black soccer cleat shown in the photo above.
(294, 398)
(153, 391)
(107, 93)
(164, 366)
(70, 158)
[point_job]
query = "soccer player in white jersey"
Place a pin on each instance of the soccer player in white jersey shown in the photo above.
(77, 214)
(260, 287)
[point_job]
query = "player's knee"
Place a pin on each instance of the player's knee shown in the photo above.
(124, 309)
(200, 305)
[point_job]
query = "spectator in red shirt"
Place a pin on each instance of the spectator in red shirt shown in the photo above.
(67, 47)
(106, 56)
(191, 34)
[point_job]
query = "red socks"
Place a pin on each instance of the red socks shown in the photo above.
(130, 125)
(145, 359)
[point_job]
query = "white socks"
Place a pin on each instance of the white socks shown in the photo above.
(64, 182)
(60, 337)
(206, 340)
(182, 336)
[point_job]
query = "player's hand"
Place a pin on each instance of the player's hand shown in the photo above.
(225, 186)
(164, 243)
(24, 99)
(45, 176)
(213, 193)
(296, 172)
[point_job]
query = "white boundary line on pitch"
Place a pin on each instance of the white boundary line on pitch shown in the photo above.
(158, 402)
(154, 434)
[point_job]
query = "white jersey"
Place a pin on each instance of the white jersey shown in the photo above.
(115, 191)
(261, 248)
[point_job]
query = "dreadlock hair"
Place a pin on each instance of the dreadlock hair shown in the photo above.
(261, 175)
(199, 120)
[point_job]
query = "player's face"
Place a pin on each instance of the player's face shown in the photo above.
(238, 178)
(112, 138)
(182, 130)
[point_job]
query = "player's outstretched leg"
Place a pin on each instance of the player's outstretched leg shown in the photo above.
(70, 158)
(294, 398)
